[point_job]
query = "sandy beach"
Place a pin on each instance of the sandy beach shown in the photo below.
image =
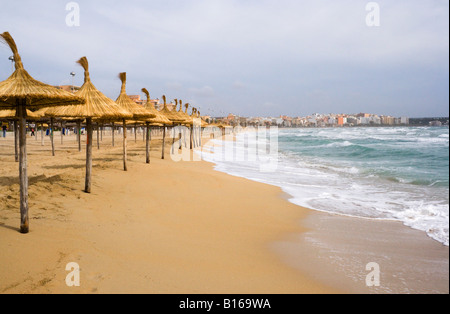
(167, 227)
(182, 227)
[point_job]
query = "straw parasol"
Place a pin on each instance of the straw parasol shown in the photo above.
(138, 112)
(171, 115)
(11, 114)
(20, 91)
(188, 120)
(157, 120)
(194, 128)
(97, 106)
(203, 124)
(159, 117)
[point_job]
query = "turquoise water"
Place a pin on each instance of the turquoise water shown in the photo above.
(395, 173)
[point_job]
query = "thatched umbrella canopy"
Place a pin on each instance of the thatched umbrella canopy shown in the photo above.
(97, 106)
(188, 121)
(198, 128)
(203, 122)
(183, 114)
(11, 114)
(159, 119)
(41, 112)
(193, 128)
(171, 115)
(20, 91)
(138, 112)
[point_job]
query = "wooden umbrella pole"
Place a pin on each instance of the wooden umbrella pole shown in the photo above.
(135, 132)
(101, 132)
(98, 136)
(23, 177)
(87, 186)
(125, 145)
(16, 140)
(147, 143)
(173, 140)
(42, 134)
(149, 138)
(194, 136)
(190, 136)
(79, 134)
(62, 132)
(163, 141)
(112, 134)
(51, 136)
(198, 142)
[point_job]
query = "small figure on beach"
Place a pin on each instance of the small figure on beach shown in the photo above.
(32, 132)
(4, 130)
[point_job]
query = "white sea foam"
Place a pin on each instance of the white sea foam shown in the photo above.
(346, 188)
(339, 144)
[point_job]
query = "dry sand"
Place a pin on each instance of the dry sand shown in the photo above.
(167, 227)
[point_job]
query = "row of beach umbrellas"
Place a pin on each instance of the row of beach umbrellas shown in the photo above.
(23, 98)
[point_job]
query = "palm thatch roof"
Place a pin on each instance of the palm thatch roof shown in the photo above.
(11, 114)
(159, 117)
(187, 118)
(138, 112)
(203, 122)
(20, 86)
(97, 104)
(195, 115)
(171, 115)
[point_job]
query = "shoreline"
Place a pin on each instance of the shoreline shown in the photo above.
(410, 260)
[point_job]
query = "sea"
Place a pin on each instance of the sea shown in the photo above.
(392, 173)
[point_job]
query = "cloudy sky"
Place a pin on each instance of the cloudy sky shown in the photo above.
(248, 57)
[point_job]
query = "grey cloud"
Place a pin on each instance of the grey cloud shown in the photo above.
(275, 51)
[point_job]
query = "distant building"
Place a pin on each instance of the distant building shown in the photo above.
(387, 120)
(352, 121)
(69, 88)
(435, 123)
(137, 99)
(364, 120)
